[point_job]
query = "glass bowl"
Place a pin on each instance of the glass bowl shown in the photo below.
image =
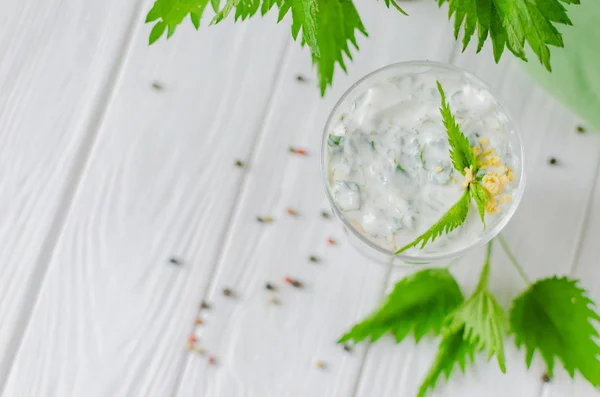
(435, 71)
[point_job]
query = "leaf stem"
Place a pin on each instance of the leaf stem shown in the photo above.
(485, 272)
(513, 260)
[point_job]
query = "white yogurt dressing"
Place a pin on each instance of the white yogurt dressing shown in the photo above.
(388, 164)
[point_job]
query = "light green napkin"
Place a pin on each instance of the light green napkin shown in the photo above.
(575, 77)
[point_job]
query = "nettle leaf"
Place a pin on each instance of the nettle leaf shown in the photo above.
(452, 219)
(328, 27)
(418, 303)
(480, 196)
(511, 24)
(554, 316)
(393, 3)
(482, 318)
(453, 350)
(169, 14)
(460, 150)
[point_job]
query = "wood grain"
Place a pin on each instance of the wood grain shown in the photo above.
(271, 350)
(56, 76)
(585, 268)
(544, 234)
(113, 314)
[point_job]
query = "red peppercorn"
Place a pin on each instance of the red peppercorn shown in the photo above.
(192, 339)
(211, 360)
(301, 152)
(288, 280)
(292, 212)
(331, 241)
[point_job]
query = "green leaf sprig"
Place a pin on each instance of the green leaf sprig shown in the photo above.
(418, 303)
(478, 324)
(552, 316)
(510, 24)
(329, 27)
(464, 162)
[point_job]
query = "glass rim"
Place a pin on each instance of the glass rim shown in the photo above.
(482, 240)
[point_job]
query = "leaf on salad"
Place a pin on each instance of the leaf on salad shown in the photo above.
(480, 195)
(460, 150)
(452, 219)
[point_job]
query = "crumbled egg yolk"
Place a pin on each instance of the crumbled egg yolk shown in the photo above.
(488, 152)
(494, 161)
(505, 199)
(491, 182)
(491, 206)
(510, 174)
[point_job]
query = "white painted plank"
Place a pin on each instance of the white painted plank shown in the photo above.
(586, 270)
(113, 313)
(543, 234)
(267, 350)
(57, 62)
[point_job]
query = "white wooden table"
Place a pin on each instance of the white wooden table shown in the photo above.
(104, 178)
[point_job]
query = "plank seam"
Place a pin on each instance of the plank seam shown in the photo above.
(363, 360)
(226, 234)
(79, 167)
(586, 220)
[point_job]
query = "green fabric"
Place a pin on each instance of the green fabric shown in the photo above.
(575, 77)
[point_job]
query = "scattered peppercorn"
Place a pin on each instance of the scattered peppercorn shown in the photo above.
(227, 292)
(212, 360)
(198, 321)
(274, 300)
(545, 378)
(297, 151)
(189, 346)
(204, 305)
(552, 160)
(175, 261)
(314, 259)
(157, 86)
(296, 283)
(192, 339)
(347, 348)
(325, 215)
(199, 350)
(331, 241)
(270, 287)
(292, 212)
(264, 219)
(580, 129)
(301, 78)
(345, 230)
(320, 365)
(239, 163)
